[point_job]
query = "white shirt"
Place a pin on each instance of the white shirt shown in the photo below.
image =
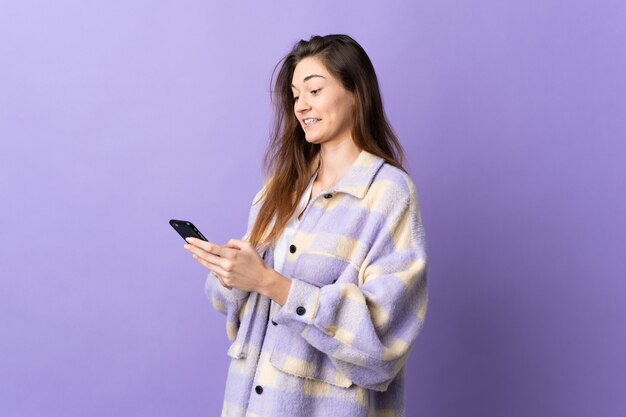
(282, 245)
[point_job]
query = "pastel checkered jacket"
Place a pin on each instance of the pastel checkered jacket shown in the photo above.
(339, 345)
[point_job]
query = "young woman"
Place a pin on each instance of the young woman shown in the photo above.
(326, 293)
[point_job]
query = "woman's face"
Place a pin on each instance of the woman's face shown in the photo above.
(321, 104)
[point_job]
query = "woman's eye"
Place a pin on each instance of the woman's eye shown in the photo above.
(314, 92)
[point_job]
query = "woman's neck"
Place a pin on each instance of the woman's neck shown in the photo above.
(335, 161)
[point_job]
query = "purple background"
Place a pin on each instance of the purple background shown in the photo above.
(116, 116)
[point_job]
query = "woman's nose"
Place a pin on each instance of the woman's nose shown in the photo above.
(301, 105)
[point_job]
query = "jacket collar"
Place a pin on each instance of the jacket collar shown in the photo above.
(360, 175)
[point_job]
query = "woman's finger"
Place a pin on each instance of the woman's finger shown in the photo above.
(216, 269)
(222, 282)
(207, 256)
(209, 247)
(205, 253)
(236, 244)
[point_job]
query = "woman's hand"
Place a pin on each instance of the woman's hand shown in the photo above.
(236, 264)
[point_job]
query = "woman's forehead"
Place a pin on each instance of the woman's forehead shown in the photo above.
(308, 67)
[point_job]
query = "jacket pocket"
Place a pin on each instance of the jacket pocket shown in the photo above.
(322, 269)
(293, 355)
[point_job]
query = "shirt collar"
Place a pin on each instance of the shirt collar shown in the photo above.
(360, 175)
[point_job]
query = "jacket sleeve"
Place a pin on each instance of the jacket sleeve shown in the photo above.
(230, 301)
(368, 329)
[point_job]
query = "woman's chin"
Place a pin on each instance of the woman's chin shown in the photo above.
(314, 140)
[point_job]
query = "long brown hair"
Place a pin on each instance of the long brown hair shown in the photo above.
(288, 158)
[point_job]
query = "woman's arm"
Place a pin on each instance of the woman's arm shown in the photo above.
(276, 286)
(368, 330)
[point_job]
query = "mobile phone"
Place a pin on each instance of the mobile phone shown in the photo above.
(186, 229)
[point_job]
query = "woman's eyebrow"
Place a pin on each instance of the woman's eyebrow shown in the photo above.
(308, 77)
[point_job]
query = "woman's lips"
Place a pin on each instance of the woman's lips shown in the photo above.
(306, 126)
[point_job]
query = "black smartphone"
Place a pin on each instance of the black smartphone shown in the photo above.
(186, 229)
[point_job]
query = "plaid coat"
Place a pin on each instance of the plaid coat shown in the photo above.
(339, 345)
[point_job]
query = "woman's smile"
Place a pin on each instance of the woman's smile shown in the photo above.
(310, 122)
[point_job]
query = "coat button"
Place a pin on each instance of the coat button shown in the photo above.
(258, 389)
(292, 248)
(300, 311)
(328, 195)
(274, 323)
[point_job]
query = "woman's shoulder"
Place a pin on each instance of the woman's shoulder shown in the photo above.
(392, 184)
(389, 172)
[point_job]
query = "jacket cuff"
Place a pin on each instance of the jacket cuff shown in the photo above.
(301, 306)
(234, 294)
